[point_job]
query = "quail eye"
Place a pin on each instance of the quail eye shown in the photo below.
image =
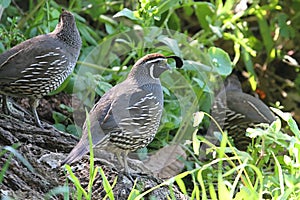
(163, 62)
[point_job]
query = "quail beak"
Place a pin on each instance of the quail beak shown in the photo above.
(166, 66)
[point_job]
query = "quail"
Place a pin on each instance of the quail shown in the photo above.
(39, 65)
(127, 116)
(235, 111)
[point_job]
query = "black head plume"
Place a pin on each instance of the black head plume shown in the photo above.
(178, 61)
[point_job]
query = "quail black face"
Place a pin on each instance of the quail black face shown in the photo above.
(157, 66)
(154, 65)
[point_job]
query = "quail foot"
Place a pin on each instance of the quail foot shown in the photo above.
(127, 116)
(40, 65)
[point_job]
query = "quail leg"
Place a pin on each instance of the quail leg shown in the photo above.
(34, 103)
(126, 168)
(7, 109)
(118, 154)
(125, 164)
(123, 161)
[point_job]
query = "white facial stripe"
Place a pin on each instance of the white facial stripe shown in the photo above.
(151, 71)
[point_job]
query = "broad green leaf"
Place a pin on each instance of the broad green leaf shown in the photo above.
(290, 121)
(171, 43)
(203, 11)
(71, 128)
(58, 117)
(60, 127)
(220, 60)
(126, 13)
(5, 3)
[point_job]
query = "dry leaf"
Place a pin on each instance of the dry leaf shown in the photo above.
(165, 163)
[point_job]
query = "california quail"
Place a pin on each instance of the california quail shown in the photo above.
(235, 111)
(127, 116)
(39, 65)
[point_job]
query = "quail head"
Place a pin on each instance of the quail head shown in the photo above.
(39, 65)
(127, 116)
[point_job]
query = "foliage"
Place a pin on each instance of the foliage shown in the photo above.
(268, 170)
(213, 38)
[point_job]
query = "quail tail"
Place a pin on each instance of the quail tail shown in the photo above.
(76, 154)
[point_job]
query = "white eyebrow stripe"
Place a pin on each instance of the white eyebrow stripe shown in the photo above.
(156, 60)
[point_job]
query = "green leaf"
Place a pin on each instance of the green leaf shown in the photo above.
(72, 129)
(57, 190)
(171, 43)
(60, 127)
(85, 33)
(265, 29)
(249, 66)
(220, 60)
(166, 5)
(80, 190)
(102, 87)
(58, 117)
(212, 191)
(204, 10)
(224, 193)
(107, 187)
(276, 125)
(290, 121)
(126, 13)
(216, 30)
(67, 108)
(134, 193)
(5, 3)
(254, 132)
(181, 185)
